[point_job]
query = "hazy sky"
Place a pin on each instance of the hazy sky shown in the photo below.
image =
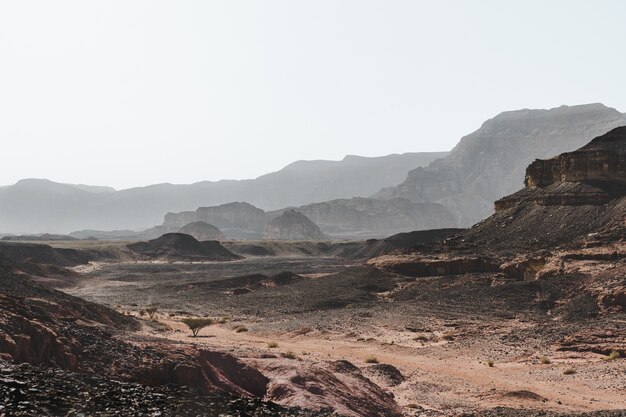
(127, 93)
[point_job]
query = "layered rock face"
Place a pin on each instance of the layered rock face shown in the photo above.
(601, 161)
(490, 163)
(202, 231)
(592, 175)
(292, 225)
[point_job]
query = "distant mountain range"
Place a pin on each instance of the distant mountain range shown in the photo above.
(357, 196)
(490, 163)
(38, 206)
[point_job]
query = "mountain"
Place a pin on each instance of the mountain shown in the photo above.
(38, 206)
(490, 163)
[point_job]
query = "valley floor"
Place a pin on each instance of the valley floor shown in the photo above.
(441, 345)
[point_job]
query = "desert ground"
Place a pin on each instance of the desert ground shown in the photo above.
(441, 345)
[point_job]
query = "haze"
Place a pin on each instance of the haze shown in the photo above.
(126, 93)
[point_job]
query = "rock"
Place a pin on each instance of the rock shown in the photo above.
(419, 266)
(292, 225)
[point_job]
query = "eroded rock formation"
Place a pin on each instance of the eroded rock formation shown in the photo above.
(202, 231)
(292, 225)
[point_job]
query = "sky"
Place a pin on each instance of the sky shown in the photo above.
(129, 93)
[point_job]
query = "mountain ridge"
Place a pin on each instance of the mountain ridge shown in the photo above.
(37, 206)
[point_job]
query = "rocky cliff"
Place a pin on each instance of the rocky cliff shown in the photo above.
(592, 175)
(566, 198)
(490, 163)
(292, 225)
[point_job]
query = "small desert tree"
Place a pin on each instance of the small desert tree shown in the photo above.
(151, 310)
(197, 324)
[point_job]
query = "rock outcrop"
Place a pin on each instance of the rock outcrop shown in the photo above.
(182, 247)
(601, 161)
(368, 217)
(236, 220)
(490, 163)
(292, 225)
(202, 231)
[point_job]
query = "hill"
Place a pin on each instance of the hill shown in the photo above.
(181, 247)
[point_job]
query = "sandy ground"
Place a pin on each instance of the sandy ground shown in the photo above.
(453, 380)
(440, 333)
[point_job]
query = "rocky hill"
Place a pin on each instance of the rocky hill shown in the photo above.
(182, 247)
(490, 163)
(292, 225)
(38, 206)
(202, 231)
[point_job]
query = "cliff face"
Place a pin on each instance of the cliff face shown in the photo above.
(592, 175)
(601, 161)
(292, 225)
(565, 198)
(490, 163)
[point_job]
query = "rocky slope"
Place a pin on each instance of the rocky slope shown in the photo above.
(38, 206)
(71, 343)
(202, 231)
(489, 163)
(292, 225)
(182, 247)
